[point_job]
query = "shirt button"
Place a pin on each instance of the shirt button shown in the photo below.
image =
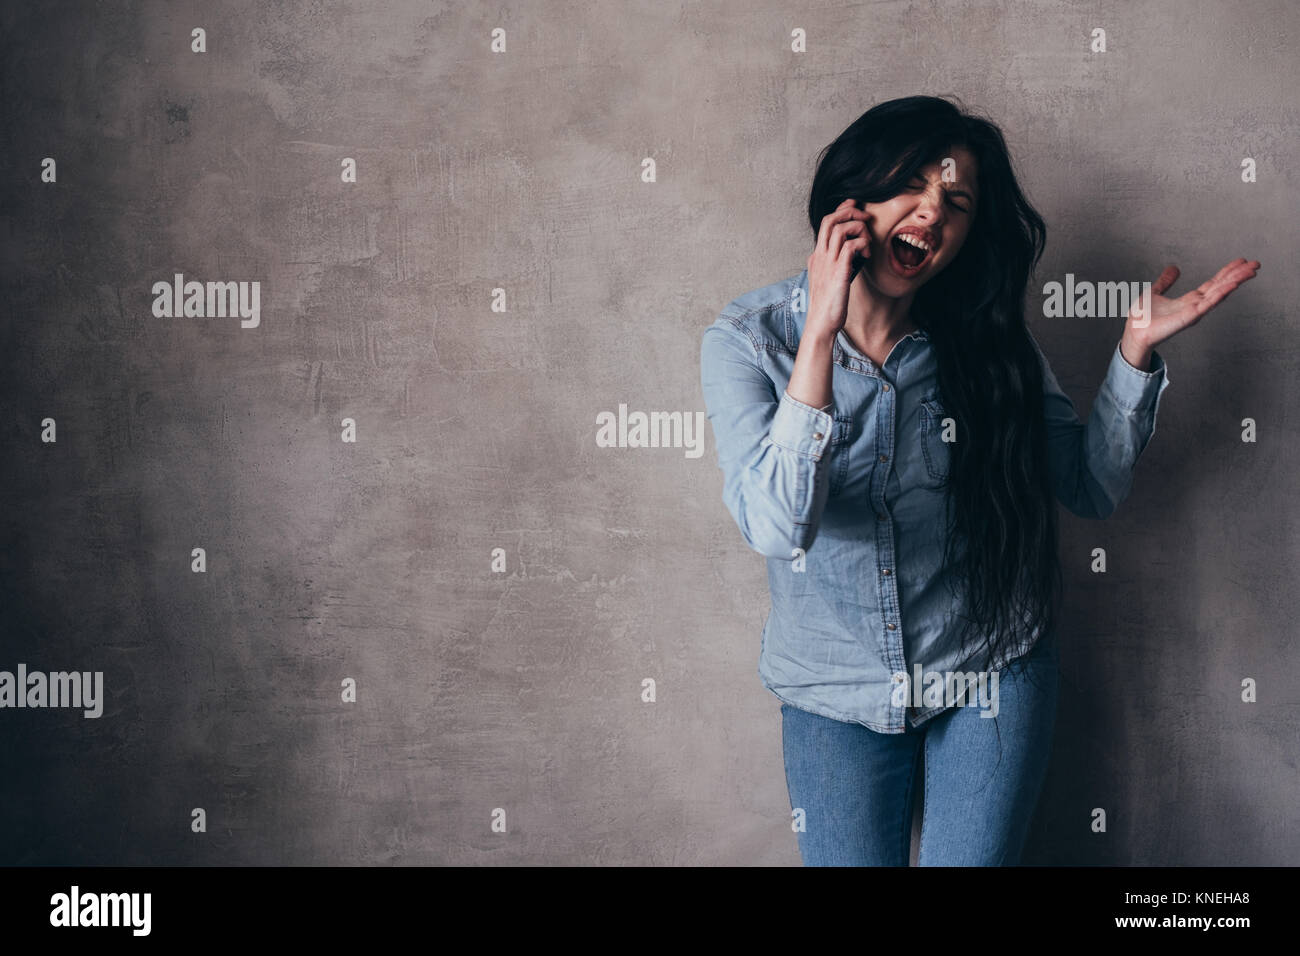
(892, 627)
(885, 571)
(880, 517)
(817, 436)
(885, 388)
(884, 458)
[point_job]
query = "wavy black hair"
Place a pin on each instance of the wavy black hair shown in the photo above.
(1001, 509)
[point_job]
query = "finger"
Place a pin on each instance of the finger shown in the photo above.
(855, 247)
(1226, 271)
(1206, 302)
(854, 254)
(844, 211)
(1233, 274)
(1243, 273)
(842, 231)
(1247, 270)
(1237, 276)
(1218, 290)
(1213, 291)
(1167, 278)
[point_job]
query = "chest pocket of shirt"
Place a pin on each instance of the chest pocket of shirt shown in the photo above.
(838, 452)
(933, 447)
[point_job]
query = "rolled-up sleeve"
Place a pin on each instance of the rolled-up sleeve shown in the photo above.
(771, 449)
(1093, 464)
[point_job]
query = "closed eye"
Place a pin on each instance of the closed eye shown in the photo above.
(918, 183)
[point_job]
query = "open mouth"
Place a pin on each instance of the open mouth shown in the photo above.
(908, 253)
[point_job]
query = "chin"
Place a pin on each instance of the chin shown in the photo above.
(884, 281)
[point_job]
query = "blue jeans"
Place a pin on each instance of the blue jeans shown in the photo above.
(982, 777)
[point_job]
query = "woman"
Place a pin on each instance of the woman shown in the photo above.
(894, 442)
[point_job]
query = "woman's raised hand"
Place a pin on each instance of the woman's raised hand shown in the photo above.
(842, 239)
(1150, 324)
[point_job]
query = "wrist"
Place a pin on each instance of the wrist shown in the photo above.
(1136, 351)
(818, 337)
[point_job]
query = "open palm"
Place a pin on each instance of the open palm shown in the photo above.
(1166, 317)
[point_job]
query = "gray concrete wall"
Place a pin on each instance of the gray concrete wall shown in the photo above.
(475, 429)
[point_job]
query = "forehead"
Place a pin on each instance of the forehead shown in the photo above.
(963, 164)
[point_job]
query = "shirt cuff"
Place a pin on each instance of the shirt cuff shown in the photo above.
(1132, 388)
(801, 428)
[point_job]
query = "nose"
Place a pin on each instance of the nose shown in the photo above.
(929, 207)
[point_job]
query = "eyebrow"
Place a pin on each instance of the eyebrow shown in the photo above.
(951, 192)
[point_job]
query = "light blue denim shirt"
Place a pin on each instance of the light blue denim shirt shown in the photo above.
(847, 504)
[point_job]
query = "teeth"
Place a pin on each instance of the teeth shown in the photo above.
(912, 240)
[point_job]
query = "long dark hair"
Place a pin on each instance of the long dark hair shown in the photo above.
(1001, 509)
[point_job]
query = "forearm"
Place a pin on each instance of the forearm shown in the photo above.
(1094, 464)
(810, 381)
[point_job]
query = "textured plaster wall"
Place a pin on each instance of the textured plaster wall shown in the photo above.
(475, 429)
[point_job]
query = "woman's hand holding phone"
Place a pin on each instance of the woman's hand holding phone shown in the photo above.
(843, 242)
